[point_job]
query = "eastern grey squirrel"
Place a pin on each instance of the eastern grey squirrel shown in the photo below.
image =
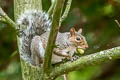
(34, 29)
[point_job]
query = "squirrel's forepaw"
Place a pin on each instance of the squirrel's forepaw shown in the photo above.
(74, 58)
(69, 57)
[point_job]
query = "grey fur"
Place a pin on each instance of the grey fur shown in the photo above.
(34, 28)
(31, 23)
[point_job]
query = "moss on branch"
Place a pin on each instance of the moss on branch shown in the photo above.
(88, 60)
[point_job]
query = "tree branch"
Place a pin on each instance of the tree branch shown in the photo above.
(5, 18)
(87, 60)
(2, 19)
(52, 36)
(117, 23)
(51, 9)
(66, 11)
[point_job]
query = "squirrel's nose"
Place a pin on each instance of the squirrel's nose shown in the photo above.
(86, 46)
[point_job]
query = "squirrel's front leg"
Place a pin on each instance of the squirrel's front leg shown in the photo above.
(37, 50)
(62, 52)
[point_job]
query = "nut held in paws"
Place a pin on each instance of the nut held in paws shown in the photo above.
(79, 50)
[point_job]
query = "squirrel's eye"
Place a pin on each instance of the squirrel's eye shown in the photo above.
(78, 38)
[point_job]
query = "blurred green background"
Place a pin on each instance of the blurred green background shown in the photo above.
(96, 17)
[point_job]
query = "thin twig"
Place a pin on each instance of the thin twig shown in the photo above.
(51, 9)
(4, 17)
(66, 11)
(13, 54)
(117, 23)
(88, 60)
(65, 76)
(52, 36)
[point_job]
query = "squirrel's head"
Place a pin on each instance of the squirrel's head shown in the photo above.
(77, 39)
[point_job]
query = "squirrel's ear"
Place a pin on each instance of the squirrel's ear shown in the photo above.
(80, 30)
(72, 31)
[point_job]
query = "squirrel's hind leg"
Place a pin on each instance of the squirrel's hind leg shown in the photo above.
(37, 50)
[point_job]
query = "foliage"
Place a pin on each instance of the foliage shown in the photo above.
(96, 17)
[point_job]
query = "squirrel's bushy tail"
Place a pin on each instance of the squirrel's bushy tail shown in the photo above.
(31, 23)
(34, 22)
